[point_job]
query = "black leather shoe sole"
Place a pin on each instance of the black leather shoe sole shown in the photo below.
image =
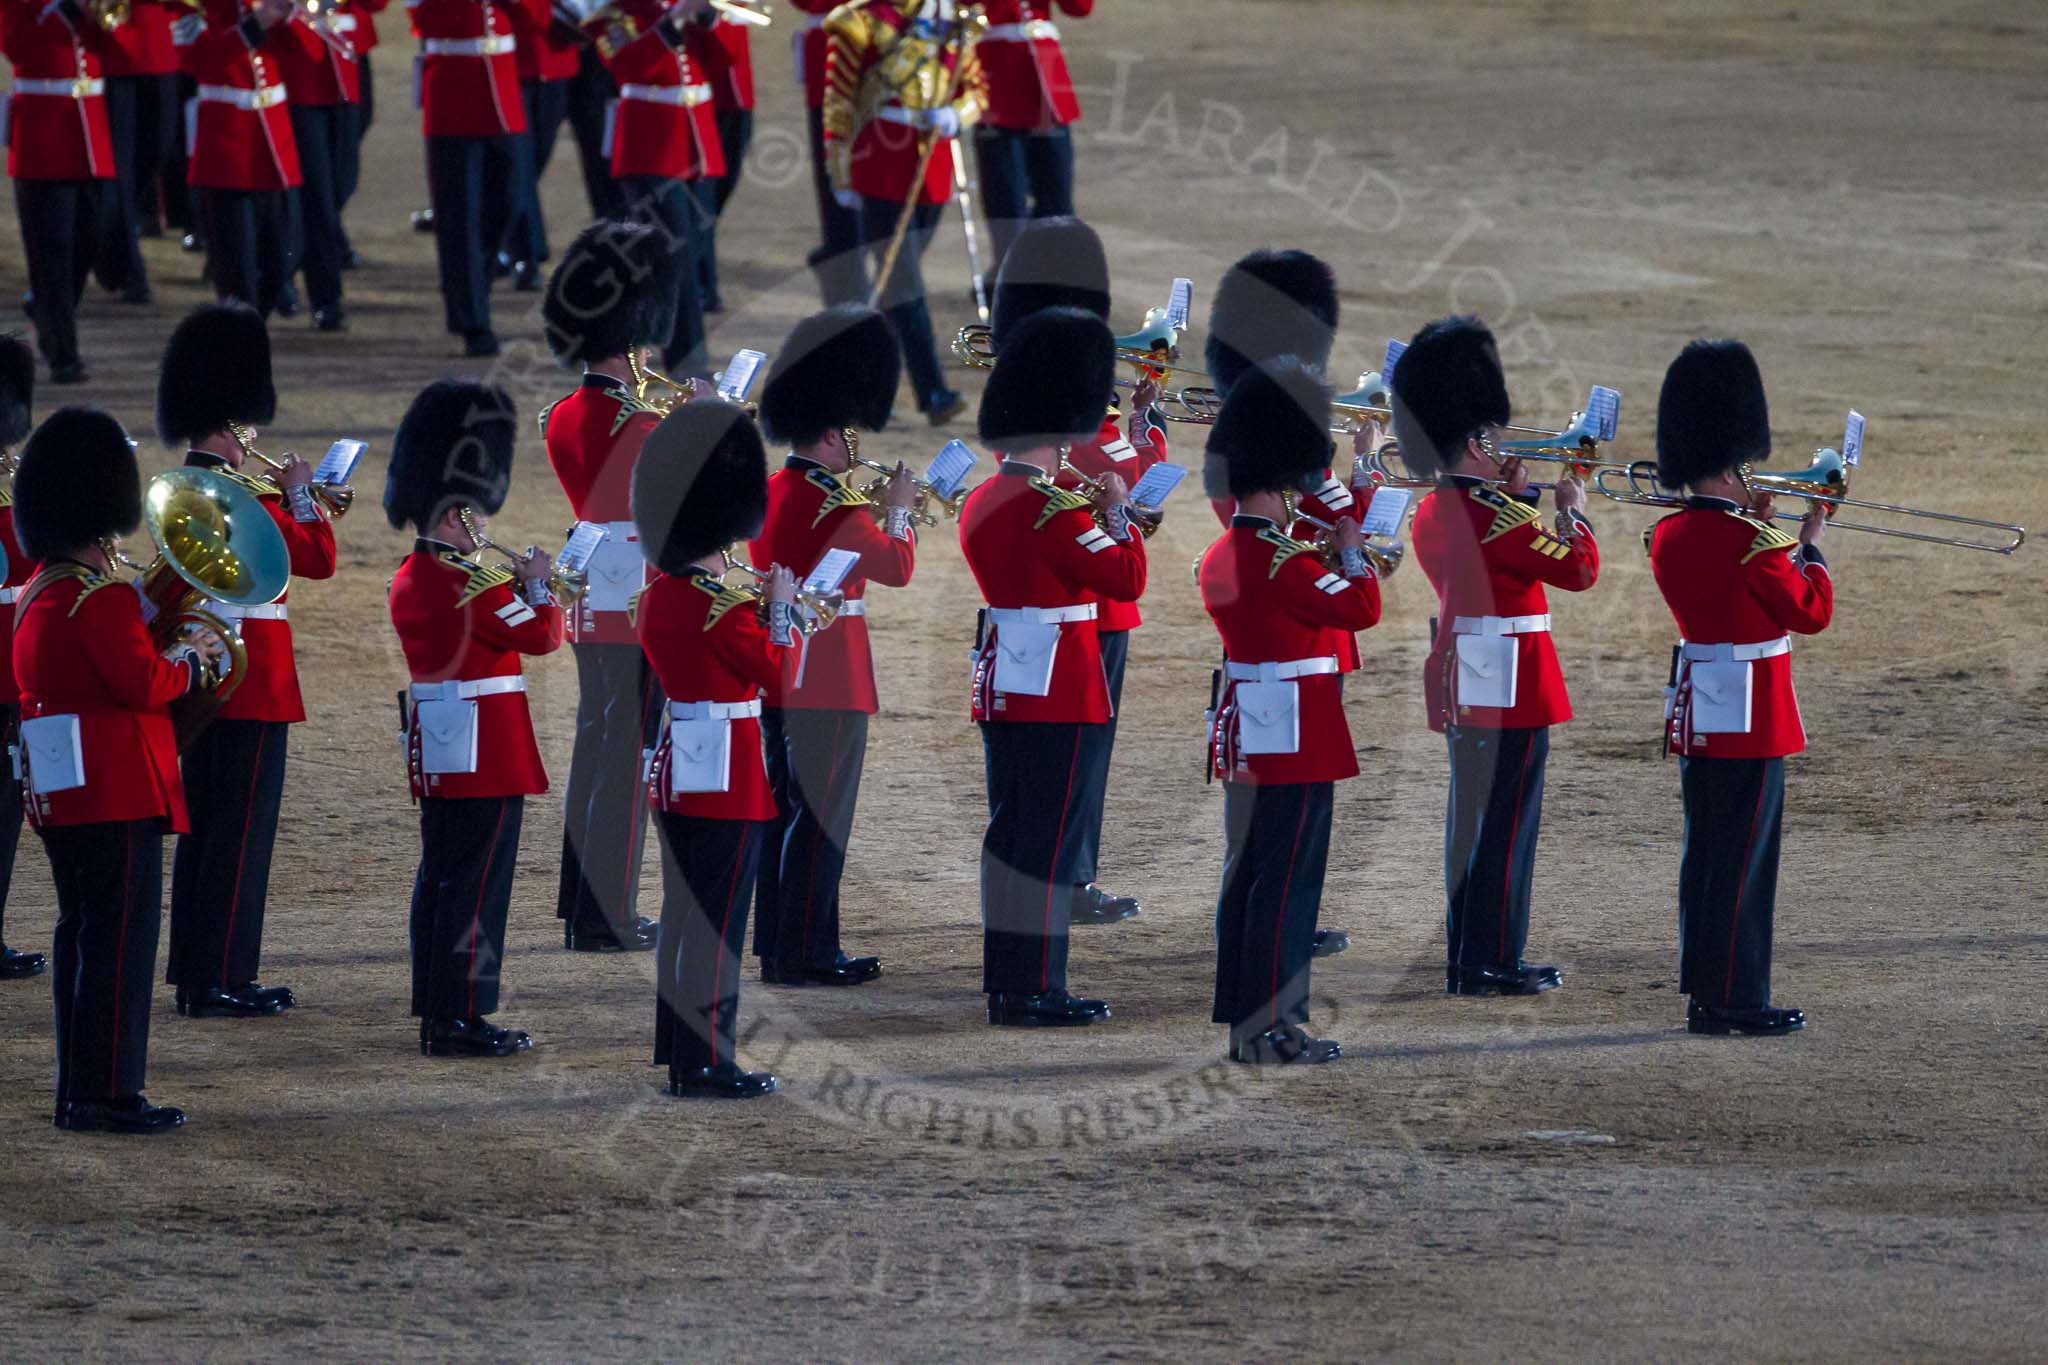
(1480, 986)
(1096, 915)
(21, 966)
(108, 1118)
(449, 1047)
(216, 1009)
(1721, 1028)
(1005, 1017)
(753, 1085)
(1329, 943)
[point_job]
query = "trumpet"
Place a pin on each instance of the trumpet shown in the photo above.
(1148, 520)
(646, 377)
(569, 585)
(1385, 559)
(926, 494)
(337, 498)
(822, 608)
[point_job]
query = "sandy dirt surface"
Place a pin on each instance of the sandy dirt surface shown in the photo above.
(1857, 190)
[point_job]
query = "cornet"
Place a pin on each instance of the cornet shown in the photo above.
(823, 609)
(926, 494)
(646, 377)
(1148, 520)
(1385, 559)
(568, 585)
(337, 498)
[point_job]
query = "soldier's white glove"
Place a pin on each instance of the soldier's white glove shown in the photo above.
(944, 121)
(846, 199)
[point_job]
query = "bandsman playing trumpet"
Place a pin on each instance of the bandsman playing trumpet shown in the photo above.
(1739, 589)
(470, 748)
(834, 376)
(1492, 684)
(17, 392)
(213, 390)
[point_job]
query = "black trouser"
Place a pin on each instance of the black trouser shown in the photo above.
(903, 298)
(670, 206)
(1276, 847)
(839, 259)
(1028, 852)
(469, 849)
(366, 110)
(547, 104)
(1094, 784)
(590, 90)
(10, 807)
(327, 140)
(735, 136)
(220, 873)
(1024, 174)
(110, 883)
(1728, 878)
(141, 119)
(473, 183)
(245, 233)
(181, 208)
(1491, 821)
(59, 220)
(707, 880)
(604, 814)
(814, 765)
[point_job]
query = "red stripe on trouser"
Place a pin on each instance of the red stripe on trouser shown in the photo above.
(121, 960)
(1059, 842)
(476, 913)
(629, 877)
(1507, 884)
(1286, 887)
(732, 891)
(811, 879)
(1742, 880)
(242, 858)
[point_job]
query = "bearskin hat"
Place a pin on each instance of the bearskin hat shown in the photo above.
(1448, 385)
(1711, 414)
(1273, 432)
(78, 481)
(615, 289)
(1053, 263)
(836, 369)
(700, 484)
(216, 370)
(1051, 383)
(454, 445)
(1271, 304)
(17, 389)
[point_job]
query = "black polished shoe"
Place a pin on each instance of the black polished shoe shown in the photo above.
(599, 938)
(17, 966)
(132, 1115)
(288, 301)
(1092, 905)
(943, 406)
(73, 372)
(1288, 1045)
(229, 1002)
(1518, 980)
(1053, 1009)
(280, 996)
(722, 1082)
(1329, 943)
(847, 971)
(480, 345)
(331, 319)
(471, 1038)
(1763, 1023)
(422, 220)
(526, 276)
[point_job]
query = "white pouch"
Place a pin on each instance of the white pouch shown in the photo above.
(1487, 665)
(1720, 696)
(1024, 657)
(699, 755)
(56, 759)
(616, 572)
(1268, 717)
(447, 735)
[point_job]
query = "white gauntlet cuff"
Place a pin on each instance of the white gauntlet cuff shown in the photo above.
(781, 624)
(897, 523)
(537, 592)
(300, 499)
(1117, 521)
(1354, 563)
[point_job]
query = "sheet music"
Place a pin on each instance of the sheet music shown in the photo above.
(1852, 440)
(737, 379)
(1156, 484)
(1603, 413)
(339, 462)
(1383, 514)
(1394, 350)
(584, 538)
(949, 468)
(831, 572)
(1178, 303)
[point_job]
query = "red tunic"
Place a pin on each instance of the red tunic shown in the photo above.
(143, 46)
(724, 54)
(318, 64)
(1489, 555)
(358, 20)
(1110, 452)
(546, 52)
(811, 511)
(809, 45)
(1030, 544)
(592, 438)
(242, 133)
(468, 78)
(80, 649)
(662, 124)
(57, 116)
(1331, 502)
(459, 621)
(1732, 580)
(1273, 602)
(881, 162)
(18, 570)
(1028, 84)
(707, 644)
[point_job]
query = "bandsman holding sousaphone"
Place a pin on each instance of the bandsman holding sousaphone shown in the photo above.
(214, 391)
(17, 392)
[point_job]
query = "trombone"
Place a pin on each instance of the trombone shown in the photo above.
(335, 497)
(1385, 559)
(569, 585)
(822, 608)
(1196, 404)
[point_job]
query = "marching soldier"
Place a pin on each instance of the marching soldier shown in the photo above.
(547, 56)
(610, 300)
(101, 761)
(1492, 683)
(700, 487)
(17, 392)
(213, 391)
(899, 74)
(1739, 589)
(591, 92)
(839, 260)
(1044, 559)
(1024, 143)
(470, 747)
(835, 375)
(244, 161)
(143, 117)
(60, 156)
(723, 52)
(1278, 736)
(319, 67)
(356, 20)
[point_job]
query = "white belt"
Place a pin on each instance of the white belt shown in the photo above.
(1022, 33)
(78, 89)
(468, 689)
(1041, 616)
(857, 607)
(714, 710)
(896, 113)
(1765, 649)
(687, 96)
(1279, 672)
(268, 611)
(1501, 625)
(8, 596)
(493, 45)
(263, 98)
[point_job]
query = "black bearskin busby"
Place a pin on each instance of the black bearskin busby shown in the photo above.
(454, 445)
(1711, 414)
(837, 369)
(78, 481)
(216, 370)
(17, 389)
(1273, 432)
(1448, 385)
(1271, 304)
(700, 484)
(614, 290)
(1053, 263)
(1051, 383)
